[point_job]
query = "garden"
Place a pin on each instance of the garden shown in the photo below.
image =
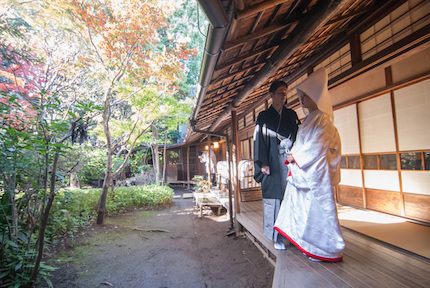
(90, 94)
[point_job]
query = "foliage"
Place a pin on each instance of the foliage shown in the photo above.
(17, 264)
(94, 166)
(75, 208)
(135, 75)
(72, 210)
(65, 68)
(138, 197)
(202, 184)
(22, 195)
(139, 161)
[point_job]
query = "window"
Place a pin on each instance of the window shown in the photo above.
(343, 162)
(337, 62)
(388, 162)
(400, 23)
(411, 161)
(370, 161)
(354, 162)
(350, 162)
(427, 160)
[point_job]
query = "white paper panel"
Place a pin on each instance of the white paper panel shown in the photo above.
(361, 85)
(245, 150)
(416, 182)
(351, 177)
(376, 125)
(345, 120)
(413, 116)
(384, 180)
(249, 119)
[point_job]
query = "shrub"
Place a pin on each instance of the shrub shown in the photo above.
(139, 196)
(75, 208)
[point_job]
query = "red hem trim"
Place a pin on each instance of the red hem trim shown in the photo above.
(306, 252)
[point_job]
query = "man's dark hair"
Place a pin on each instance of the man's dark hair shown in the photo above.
(276, 84)
(199, 153)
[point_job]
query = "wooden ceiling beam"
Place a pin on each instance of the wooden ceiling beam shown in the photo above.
(239, 5)
(347, 16)
(227, 90)
(254, 9)
(279, 26)
(325, 36)
(256, 21)
(251, 54)
(232, 74)
(272, 16)
(309, 24)
(257, 35)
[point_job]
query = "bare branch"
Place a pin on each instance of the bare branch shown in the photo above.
(95, 47)
(116, 173)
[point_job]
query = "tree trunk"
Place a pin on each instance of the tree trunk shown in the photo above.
(155, 158)
(106, 184)
(44, 222)
(101, 207)
(74, 180)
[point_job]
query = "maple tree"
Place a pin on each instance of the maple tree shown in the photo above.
(133, 72)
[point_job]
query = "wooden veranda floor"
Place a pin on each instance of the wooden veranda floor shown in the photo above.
(366, 262)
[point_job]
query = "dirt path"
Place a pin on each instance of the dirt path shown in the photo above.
(193, 252)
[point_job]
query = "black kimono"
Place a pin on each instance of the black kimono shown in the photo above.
(268, 133)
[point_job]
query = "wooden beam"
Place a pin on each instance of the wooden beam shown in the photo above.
(239, 5)
(257, 35)
(230, 74)
(235, 155)
(280, 25)
(188, 167)
(254, 9)
(272, 16)
(320, 14)
(251, 54)
(347, 16)
(256, 21)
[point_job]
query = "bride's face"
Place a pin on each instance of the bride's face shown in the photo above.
(306, 101)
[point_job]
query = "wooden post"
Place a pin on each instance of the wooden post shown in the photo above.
(235, 182)
(188, 167)
(389, 82)
(209, 161)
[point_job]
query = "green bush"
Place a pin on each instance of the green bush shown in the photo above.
(75, 208)
(138, 196)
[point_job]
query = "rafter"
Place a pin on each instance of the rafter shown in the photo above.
(259, 34)
(254, 9)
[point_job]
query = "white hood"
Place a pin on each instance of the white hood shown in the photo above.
(315, 86)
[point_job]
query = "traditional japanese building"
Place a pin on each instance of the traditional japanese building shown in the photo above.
(377, 54)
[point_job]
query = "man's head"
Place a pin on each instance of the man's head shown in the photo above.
(278, 92)
(276, 84)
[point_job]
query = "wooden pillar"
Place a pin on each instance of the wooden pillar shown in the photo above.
(389, 82)
(188, 167)
(363, 182)
(209, 160)
(355, 46)
(235, 160)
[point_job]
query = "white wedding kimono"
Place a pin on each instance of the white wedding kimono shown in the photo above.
(308, 215)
